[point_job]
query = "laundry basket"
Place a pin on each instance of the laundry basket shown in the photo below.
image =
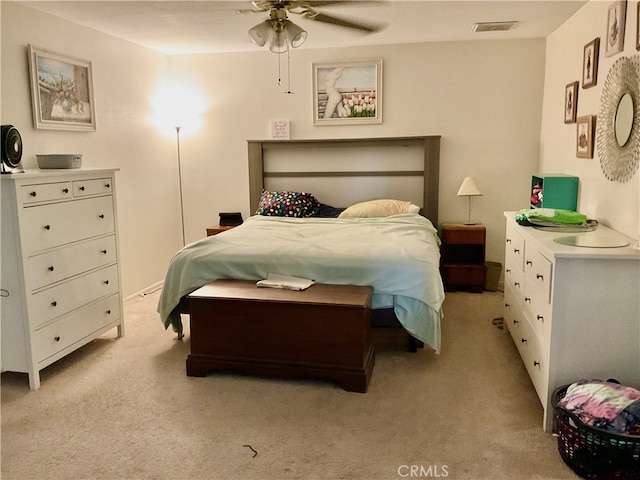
(594, 453)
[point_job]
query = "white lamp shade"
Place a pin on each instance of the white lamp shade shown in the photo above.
(295, 34)
(261, 33)
(278, 43)
(469, 188)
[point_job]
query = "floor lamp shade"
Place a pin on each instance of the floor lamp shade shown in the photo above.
(469, 189)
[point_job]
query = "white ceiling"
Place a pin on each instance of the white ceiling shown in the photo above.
(212, 26)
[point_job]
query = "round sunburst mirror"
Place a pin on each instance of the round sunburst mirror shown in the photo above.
(618, 124)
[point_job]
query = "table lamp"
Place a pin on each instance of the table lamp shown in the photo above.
(469, 189)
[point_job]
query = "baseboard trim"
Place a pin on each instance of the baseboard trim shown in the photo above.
(146, 291)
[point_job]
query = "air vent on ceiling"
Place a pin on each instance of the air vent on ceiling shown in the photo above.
(493, 26)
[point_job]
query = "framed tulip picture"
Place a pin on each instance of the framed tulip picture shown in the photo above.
(61, 91)
(570, 102)
(616, 18)
(584, 136)
(347, 93)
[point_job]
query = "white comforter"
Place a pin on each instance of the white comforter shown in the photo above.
(398, 255)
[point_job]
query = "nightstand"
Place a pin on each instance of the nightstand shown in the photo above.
(218, 229)
(462, 256)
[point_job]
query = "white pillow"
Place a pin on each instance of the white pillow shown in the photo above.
(379, 208)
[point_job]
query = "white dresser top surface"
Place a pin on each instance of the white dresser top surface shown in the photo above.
(55, 172)
(602, 235)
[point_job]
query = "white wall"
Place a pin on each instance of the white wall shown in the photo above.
(123, 78)
(484, 98)
(612, 203)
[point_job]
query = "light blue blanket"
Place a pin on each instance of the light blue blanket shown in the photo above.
(398, 255)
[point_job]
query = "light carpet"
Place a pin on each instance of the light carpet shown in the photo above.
(125, 409)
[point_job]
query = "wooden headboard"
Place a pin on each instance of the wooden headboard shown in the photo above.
(429, 147)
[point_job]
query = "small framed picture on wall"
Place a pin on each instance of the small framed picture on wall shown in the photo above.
(638, 26)
(570, 102)
(616, 18)
(584, 136)
(590, 63)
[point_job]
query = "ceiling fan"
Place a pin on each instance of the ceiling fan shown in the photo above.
(281, 32)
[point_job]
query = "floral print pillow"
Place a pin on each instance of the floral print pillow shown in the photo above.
(287, 204)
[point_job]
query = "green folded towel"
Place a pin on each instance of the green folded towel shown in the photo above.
(550, 215)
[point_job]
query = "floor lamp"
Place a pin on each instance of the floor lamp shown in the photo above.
(184, 242)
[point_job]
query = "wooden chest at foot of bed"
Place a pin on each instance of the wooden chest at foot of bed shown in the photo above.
(322, 332)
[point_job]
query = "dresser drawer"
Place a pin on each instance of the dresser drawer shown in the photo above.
(95, 186)
(65, 297)
(514, 247)
(539, 269)
(56, 265)
(513, 274)
(73, 328)
(534, 356)
(538, 310)
(48, 226)
(45, 192)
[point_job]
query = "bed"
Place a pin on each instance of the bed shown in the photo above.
(397, 254)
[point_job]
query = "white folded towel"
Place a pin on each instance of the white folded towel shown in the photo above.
(274, 280)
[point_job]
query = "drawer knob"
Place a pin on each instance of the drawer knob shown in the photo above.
(540, 277)
(515, 322)
(57, 339)
(516, 250)
(47, 227)
(51, 269)
(523, 340)
(65, 190)
(81, 189)
(536, 364)
(529, 262)
(508, 270)
(540, 317)
(517, 284)
(508, 240)
(108, 312)
(507, 305)
(104, 251)
(54, 304)
(106, 282)
(107, 185)
(33, 194)
(101, 215)
(527, 299)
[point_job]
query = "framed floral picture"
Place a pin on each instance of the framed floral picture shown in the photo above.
(616, 18)
(347, 93)
(61, 91)
(584, 136)
(570, 102)
(590, 63)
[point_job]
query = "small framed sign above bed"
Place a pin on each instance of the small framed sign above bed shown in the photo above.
(347, 93)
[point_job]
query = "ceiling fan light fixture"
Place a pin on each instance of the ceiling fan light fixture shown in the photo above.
(261, 32)
(295, 34)
(278, 43)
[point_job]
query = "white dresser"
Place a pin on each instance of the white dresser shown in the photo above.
(60, 280)
(573, 312)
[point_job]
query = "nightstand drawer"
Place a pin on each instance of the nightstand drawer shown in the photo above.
(453, 234)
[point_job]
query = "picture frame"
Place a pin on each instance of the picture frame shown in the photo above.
(638, 26)
(584, 136)
(616, 19)
(590, 63)
(61, 91)
(347, 93)
(570, 102)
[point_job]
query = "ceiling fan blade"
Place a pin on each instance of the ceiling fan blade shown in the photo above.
(330, 19)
